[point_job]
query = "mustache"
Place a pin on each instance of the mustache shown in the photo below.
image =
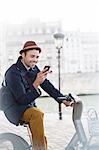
(33, 61)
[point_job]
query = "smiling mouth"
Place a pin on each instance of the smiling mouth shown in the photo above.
(33, 62)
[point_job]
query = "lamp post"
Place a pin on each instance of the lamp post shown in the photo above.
(59, 45)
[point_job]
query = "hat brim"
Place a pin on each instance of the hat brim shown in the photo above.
(30, 48)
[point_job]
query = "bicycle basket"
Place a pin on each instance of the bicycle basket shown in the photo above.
(93, 122)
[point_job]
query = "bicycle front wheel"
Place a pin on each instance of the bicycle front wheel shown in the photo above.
(10, 141)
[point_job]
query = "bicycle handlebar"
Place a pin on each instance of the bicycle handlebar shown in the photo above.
(71, 97)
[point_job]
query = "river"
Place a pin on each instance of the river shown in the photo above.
(49, 105)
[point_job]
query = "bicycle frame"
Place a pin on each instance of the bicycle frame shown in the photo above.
(79, 141)
(79, 136)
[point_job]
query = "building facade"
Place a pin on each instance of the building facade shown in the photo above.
(81, 52)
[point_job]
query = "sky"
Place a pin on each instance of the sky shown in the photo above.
(80, 15)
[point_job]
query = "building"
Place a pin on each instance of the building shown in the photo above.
(81, 52)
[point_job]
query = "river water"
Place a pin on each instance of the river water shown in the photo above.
(49, 105)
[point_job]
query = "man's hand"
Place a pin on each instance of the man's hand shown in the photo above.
(40, 78)
(68, 103)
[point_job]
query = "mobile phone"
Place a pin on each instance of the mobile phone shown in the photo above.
(47, 68)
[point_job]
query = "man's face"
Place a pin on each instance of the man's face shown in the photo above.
(30, 58)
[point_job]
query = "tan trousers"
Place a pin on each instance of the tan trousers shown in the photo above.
(34, 117)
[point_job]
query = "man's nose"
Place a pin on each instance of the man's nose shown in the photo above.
(35, 59)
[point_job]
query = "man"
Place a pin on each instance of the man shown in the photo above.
(23, 80)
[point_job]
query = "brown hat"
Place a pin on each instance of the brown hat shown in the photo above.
(29, 45)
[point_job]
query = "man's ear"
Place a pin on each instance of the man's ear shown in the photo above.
(23, 55)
